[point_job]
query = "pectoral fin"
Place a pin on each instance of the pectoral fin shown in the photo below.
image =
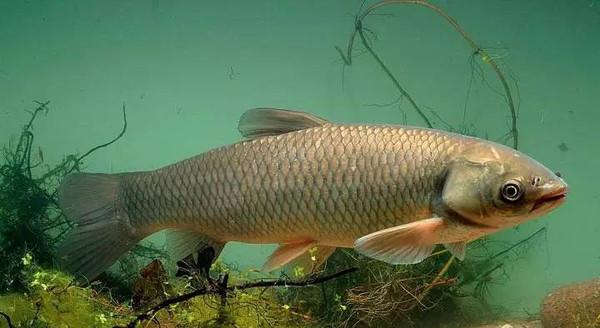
(405, 244)
(286, 253)
(458, 249)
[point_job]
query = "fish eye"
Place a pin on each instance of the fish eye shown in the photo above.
(512, 191)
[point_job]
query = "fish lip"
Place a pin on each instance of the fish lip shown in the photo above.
(552, 199)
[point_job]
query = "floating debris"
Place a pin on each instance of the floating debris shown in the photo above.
(563, 147)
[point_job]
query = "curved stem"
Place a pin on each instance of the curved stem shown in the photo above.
(393, 78)
(104, 145)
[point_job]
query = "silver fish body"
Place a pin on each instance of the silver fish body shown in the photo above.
(392, 192)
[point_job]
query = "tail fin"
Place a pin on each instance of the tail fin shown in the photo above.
(102, 230)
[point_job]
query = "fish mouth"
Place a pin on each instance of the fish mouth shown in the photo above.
(551, 200)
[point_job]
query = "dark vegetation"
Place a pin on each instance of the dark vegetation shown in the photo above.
(351, 290)
(440, 289)
(28, 210)
(31, 222)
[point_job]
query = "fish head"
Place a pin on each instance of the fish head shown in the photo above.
(494, 186)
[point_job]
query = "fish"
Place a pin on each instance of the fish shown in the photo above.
(391, 192)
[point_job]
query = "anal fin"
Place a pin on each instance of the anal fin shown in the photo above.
(192, 251)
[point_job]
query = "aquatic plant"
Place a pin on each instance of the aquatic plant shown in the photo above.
(55, 299)
(28, 208)
(361, 32)
(233, 296)
(31, 223)
(382, 295)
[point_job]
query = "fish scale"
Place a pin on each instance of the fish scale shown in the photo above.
(335, 183)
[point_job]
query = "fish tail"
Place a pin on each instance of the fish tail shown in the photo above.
(102, 231)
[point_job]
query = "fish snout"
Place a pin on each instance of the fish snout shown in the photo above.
(553, 193)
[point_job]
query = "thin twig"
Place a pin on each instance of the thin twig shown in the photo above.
(434, 282)
(314, 280)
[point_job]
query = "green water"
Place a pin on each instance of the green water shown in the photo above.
(186, 70)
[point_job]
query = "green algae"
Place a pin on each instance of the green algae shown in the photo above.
(54, 300)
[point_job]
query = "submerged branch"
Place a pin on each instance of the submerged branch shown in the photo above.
(477, 50)
(434, 282)
(8, 321)
(223, 289)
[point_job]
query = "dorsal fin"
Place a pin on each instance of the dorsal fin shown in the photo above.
(262, 122)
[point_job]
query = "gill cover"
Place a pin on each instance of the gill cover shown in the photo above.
(466, 188)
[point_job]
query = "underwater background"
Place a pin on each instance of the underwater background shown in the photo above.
(186, 71)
